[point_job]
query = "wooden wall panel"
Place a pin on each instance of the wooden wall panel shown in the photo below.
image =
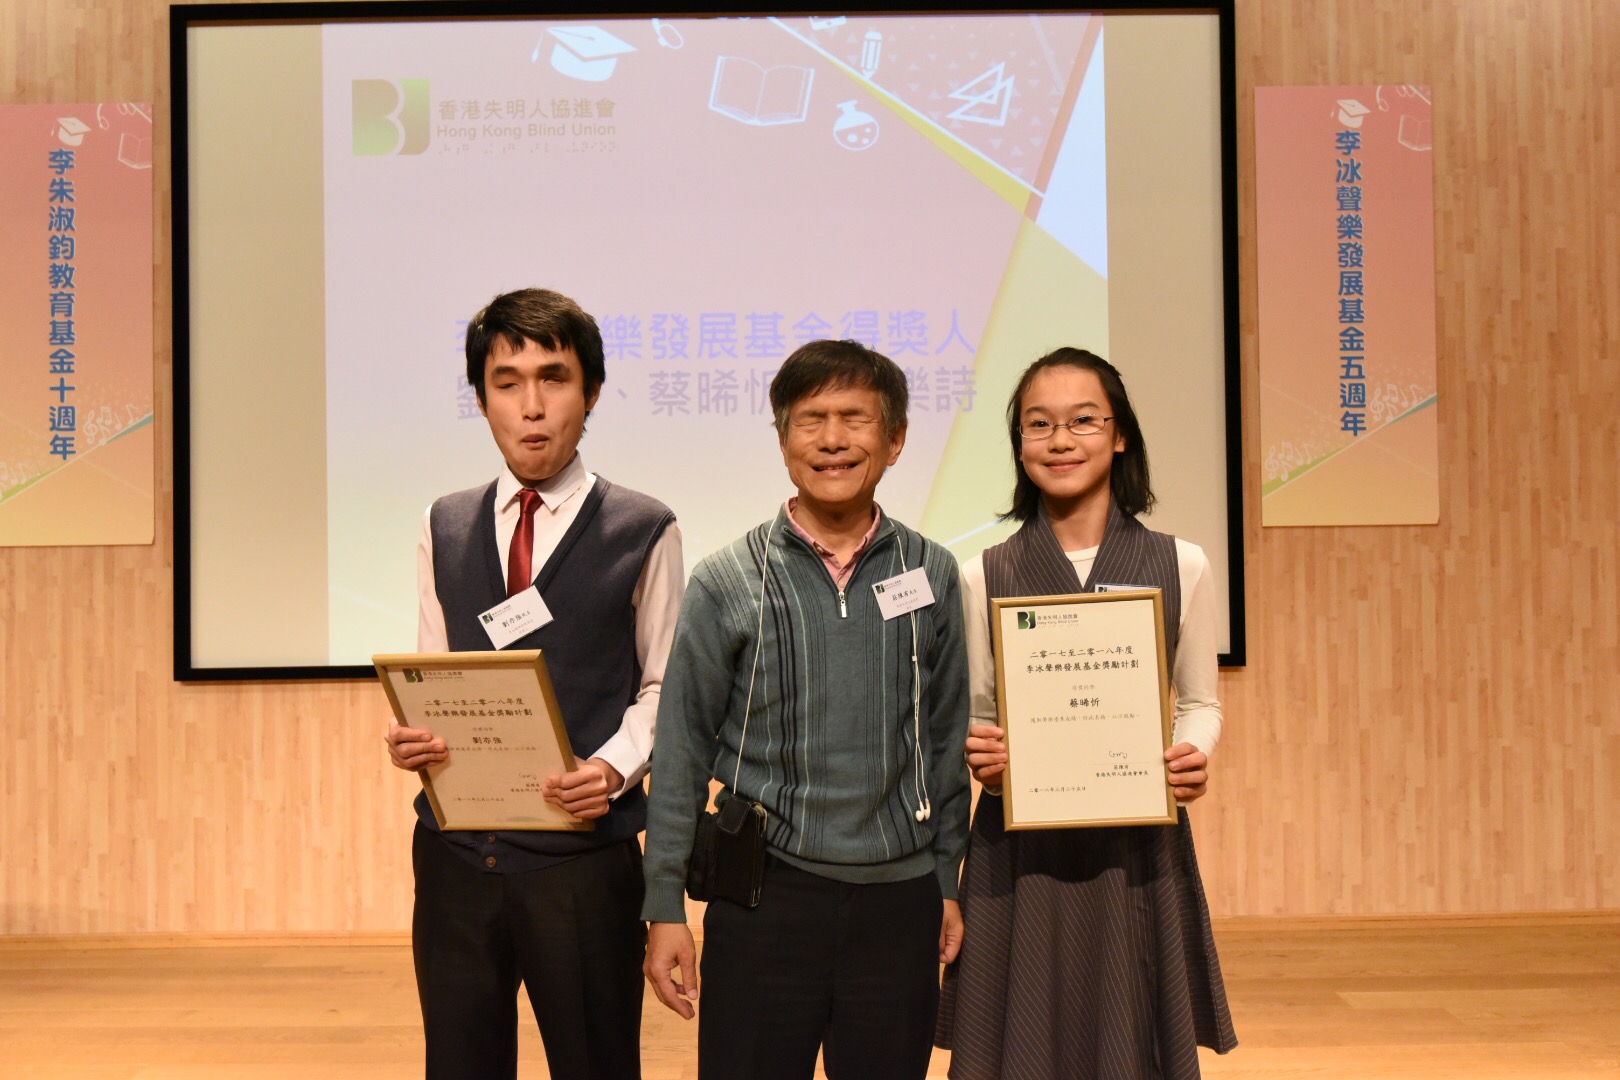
(1427, 722)
(1424, 724)
(131, 803)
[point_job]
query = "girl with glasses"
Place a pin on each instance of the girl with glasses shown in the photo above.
(1088, 952)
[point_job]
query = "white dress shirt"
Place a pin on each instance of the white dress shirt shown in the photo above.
(657, 601)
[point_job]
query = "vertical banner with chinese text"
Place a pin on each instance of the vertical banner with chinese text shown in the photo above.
(76, 436)
(1344, 187)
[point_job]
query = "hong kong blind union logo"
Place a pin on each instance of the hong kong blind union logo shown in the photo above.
(413, 675)
(390, 117)
(1026, 620)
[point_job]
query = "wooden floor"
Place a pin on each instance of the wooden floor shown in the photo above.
(1431, 999)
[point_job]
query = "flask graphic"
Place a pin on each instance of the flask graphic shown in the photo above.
(854, 130)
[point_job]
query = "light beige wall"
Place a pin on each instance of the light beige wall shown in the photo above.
(1427, 722)
(131, 803)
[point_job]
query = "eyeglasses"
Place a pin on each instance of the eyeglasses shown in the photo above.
(1080, 425)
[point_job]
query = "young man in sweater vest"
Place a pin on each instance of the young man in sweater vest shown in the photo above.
(558, 912)
(819, 669)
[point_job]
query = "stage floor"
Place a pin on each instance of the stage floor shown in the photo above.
(1429, 998)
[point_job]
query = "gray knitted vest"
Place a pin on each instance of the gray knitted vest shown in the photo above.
(588, 584)
(1032, 563)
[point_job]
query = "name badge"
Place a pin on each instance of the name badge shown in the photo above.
(907, 592)
(1121, 588)
(514, 617)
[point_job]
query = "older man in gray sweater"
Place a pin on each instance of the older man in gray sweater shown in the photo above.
(818, 670)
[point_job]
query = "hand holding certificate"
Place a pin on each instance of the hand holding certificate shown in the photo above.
(1083, 693)
(499, 718)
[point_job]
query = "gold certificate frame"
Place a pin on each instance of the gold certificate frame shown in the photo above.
(1083, 693)
(498, 715)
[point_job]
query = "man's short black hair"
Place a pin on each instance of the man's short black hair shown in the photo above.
(839, 365)
(549, 319)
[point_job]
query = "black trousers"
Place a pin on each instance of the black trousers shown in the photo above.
(571, 934)
(852, 970)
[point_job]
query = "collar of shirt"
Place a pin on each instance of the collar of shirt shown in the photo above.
(840, 571)
(555, 491)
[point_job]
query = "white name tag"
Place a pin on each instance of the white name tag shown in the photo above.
(907, 592)
(1121, 588)
(514, 617)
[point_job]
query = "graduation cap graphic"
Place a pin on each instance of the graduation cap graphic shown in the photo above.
(71, 130)
(1351, 112)
(588, 53)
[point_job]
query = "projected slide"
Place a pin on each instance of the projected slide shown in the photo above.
(716, 192)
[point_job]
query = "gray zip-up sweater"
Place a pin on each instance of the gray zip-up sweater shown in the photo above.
(830, 747)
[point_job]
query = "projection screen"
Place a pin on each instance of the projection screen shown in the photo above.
(963, 192)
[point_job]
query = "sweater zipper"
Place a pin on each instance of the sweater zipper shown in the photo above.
(843, 607)
(843, 600)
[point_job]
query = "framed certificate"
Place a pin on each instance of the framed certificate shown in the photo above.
(498, 715)
(1083, 693)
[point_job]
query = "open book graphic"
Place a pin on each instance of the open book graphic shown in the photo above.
(760, 96)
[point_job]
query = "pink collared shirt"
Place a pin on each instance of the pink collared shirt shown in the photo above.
(840, 571)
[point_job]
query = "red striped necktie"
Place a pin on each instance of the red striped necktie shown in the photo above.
(519, 573)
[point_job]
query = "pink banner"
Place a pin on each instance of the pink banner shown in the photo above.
(1344, 185)
(76, 441)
